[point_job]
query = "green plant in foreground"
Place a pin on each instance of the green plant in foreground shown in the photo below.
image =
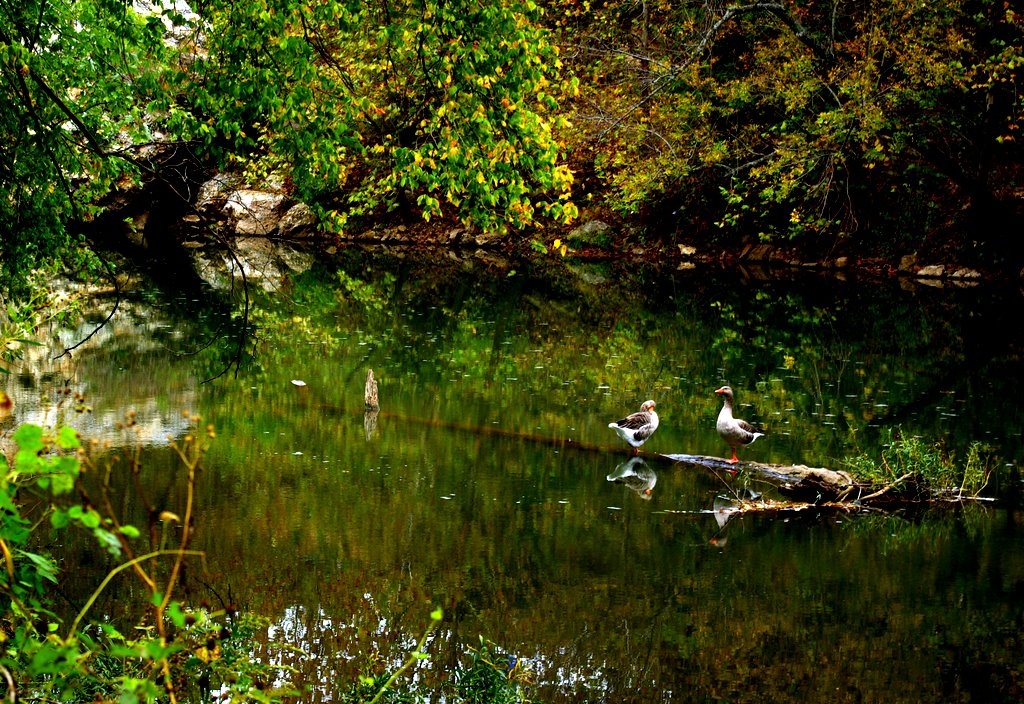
(908, 458)
(177, 654)
(493, 677)
(417, 655)
(490, 677)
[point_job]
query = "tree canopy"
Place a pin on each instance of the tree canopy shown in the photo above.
(445, 107)
(880, 124)
(800, 118)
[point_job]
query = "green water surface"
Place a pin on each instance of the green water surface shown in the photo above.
(486, 483)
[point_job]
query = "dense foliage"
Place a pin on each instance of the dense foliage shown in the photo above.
(77, 80)
(792, 119)
(803, 118)
(434, 109)
(373, 106)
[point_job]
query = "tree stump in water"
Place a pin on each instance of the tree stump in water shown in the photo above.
(371, 405)
(370, 394)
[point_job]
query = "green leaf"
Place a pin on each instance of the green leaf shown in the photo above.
(45, 567)
(67, 438)
(29, 438)
(130, 531)
(176, 615)
(109, 540)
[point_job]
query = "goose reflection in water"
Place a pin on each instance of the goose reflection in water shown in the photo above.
(636, 475)
(725, 507)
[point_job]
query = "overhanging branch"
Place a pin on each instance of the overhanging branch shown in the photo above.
(823, 51)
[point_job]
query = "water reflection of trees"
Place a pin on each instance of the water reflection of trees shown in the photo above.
(734, 624)
(302, 518)
(816, 359)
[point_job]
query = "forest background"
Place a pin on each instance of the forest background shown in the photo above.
(867, 128)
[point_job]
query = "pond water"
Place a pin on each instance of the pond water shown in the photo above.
(490, 484)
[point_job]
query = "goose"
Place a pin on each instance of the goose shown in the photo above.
(734, 431)
(637, 427)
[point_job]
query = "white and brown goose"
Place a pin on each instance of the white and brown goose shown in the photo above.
(637, 427)
(734, 431)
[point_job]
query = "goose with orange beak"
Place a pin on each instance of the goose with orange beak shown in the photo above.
(734, 431)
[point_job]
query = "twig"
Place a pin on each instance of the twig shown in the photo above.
(117, 303)
(12, 691)
(886, 488)
(110, 576)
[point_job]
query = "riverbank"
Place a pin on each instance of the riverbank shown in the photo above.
(264, 229)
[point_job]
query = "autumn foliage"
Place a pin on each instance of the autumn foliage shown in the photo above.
(884, 125)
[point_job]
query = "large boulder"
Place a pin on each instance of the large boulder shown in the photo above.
(297, 222)
(215, 190)
(596, 233)
(255, 212)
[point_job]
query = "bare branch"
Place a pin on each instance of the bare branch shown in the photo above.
(117, 302)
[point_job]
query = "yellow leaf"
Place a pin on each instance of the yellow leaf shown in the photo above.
(207, 654)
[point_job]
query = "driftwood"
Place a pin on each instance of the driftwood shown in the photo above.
(796, 482)
(836, 489)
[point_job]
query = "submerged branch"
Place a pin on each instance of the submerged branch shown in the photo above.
(887, 487)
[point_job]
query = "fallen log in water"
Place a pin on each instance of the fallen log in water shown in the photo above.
(835, 488)
(797, 482)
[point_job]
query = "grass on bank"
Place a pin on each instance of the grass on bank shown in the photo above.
(929, 468)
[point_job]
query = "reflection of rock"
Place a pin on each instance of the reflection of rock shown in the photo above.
(370, 423)
(47, 381)
(636, 475)
(260, 259)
